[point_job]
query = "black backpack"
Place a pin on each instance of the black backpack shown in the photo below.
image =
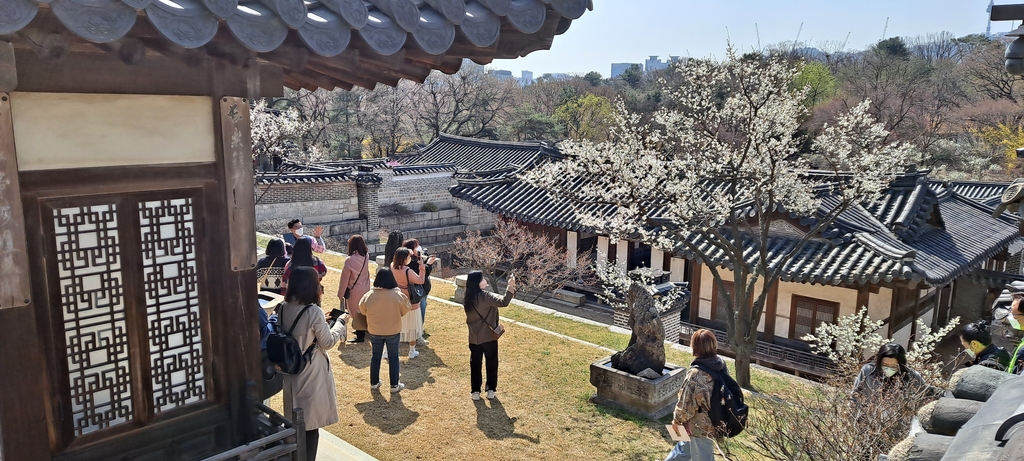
(728, 412)
(283, 349)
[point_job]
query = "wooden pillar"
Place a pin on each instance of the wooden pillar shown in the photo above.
(695, 271)
(771, 311)
(622, 254)
(602, 252)
(571, 247)
(14, 272)
(678, 272)
(657, 259)
(8, 71)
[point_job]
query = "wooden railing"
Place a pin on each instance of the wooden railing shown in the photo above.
(280, 439)
(785, 357)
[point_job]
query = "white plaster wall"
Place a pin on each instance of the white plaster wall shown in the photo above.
(880, 304)
(602, 252)
(707, 287)
(903, 336)
(622, 254)
(571, 244)
(69, 130)
(678, 270)
(657, 259)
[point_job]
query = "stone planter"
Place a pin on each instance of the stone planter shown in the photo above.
(653, 399)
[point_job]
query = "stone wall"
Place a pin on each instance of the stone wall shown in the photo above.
(369, 209)
(413, 191)
(474, 217)
(424, 220)
(320, 202)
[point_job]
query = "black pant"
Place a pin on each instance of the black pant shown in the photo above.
(476, 354)
(312, 440)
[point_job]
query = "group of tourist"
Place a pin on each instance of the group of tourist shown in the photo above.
(379, 311)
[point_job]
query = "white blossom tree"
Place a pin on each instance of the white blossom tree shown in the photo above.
(278, 134)
(712, 171)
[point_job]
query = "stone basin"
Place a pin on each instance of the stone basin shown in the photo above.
(652, 399)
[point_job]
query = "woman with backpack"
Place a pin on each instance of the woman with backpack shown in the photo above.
(694, 405)
(312, 388)
(481, 308)
(412, 323)
(355, 282)
(384, 307)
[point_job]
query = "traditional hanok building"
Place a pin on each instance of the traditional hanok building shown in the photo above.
(912, 256)
(126, 199)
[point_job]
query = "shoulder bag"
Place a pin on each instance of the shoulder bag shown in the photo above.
(497, 330)
(348, 291)
(416, 292)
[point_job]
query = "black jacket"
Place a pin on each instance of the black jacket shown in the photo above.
(993, 357)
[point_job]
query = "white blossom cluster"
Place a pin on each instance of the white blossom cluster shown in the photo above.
(712, 171)
(615, 284)
(279, 133)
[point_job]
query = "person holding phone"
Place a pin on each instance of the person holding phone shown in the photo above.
(419, 259)
(412, 324)
(481, 308)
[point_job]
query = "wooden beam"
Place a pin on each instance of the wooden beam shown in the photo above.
(192, 57)
(771, 311)
(8, 70)
(290, 57)
(695, 271)
(230, 52)
(50, 47)
(129, 50)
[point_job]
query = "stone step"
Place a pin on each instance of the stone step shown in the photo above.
(436, 234)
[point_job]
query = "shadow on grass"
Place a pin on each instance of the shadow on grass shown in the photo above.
(416, 372)
(390, 417)
(495, 423)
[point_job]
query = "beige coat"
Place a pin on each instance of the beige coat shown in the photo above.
(313, 390)
(356, 275)
(384, 310)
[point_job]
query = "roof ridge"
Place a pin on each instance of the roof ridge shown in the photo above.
(482, 141)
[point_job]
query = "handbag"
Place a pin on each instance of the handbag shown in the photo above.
(416, 292)
(348, 291)
(266, 274)
(496, 331)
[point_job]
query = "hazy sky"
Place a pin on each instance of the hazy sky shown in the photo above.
(630, 30)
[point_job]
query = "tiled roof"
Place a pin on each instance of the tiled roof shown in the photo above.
(978, 190)
(898, 238)
(312, 174)
(471, 154)
(348, 42)
(426, 168)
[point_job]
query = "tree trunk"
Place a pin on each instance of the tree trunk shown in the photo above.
(743, 350)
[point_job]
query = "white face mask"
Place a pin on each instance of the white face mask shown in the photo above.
(298, 232)
(1013, 322)
(970, 353)
(888, 371)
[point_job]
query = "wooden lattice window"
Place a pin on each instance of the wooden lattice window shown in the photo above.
(809, 313)
(128, 292)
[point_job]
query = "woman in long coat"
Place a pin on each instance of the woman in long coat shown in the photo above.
(313, 388)
(355, 277)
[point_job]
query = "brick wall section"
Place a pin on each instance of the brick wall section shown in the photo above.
(325, 202)
(369, 209)
(415, 190)
(424, 220)
(474, 217)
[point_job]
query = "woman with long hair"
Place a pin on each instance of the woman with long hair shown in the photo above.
(384, 307)
(355, 280)
(313, 388)
(394, 242)
(412, 324)
(302, 256)
(481, 308)
(415, 264)
(888, 370)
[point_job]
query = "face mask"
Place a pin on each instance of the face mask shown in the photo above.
(298, 232)
(888, 371)
(419, 250)
(1013, 322)
(970, 353)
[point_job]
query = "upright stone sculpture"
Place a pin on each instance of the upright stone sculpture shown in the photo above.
(646, 348)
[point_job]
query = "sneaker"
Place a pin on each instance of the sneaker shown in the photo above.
(398, 388)
(414, 353)
(476, 396)
(375, 386)
(422, 342)
(491, 395)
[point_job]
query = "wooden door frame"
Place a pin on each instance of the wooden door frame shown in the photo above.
(817, 301)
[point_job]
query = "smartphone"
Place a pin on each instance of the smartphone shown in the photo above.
(334, 316)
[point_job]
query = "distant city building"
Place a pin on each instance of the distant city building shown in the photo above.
(653, 63)
(501, 74)
(619, 67)
(527, 78)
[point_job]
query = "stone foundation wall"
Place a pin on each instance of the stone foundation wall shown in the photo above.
(319, 202)
(414, 191)
(474, 217)
(424, 220)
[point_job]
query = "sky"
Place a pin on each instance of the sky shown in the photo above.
(631, 30)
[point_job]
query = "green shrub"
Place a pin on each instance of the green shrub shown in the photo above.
(429, 206)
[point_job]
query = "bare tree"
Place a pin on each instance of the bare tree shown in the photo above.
(539, 265)
(983, 67)
(330, 117)
(466, 103)
(385, 115)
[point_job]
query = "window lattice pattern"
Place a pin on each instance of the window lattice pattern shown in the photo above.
(172, 305)
(92, 300)
(810, 314)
